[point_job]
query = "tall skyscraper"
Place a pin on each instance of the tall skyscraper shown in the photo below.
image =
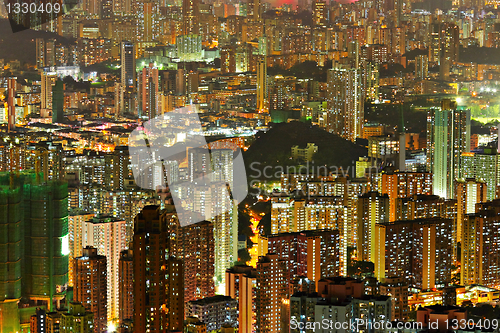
(126, 287)
(398, 12)
(319, 12)
(480, 246)
(270, 293)
(450, 41)
(240, 285)
(373, 208)
(46, 96)
(212, 200)
(108, 236)
(127, 60)
(35, 224)
(469, 193)
(419, 250)
(345, 114)
(11, 103)
(256, 10)
(261, 83)
(448, 136)
(158, 279)
(482, 165)
(58, 102)
(148, 91)
(75, 235)
(194, 245)
(91, 286)
(421, 66)
(190, 17)
(148, 23)
(40, 53)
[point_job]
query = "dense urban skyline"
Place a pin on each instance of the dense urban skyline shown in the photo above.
(250, 166)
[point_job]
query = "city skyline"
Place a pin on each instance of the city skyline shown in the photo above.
(250, 166)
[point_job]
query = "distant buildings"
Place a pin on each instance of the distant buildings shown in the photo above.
(448, 136)
(261, 106)
(304, 154)
(373, 208)
(345, 102)
(299, 214)
(312, 254)
(403, 185)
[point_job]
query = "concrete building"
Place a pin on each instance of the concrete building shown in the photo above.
(108, 235)
(156, 275)
(469, 193)
(91, 286)
(480, 246)
(419, 250)
(397, 289)
(345, 102)
(373, 208)
(271, 293)
(448, 136)
(77, 320)
(214, 311)
(404, 185)
(241, 286)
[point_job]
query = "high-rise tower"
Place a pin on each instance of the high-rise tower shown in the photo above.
(158, 279)
(11, 102)
(33, 244)
(448, 136)
(58, 102)
(148, 91)
(108, 236)
(90, 285)
(262, 76)
(127, 64)
(345, 115)
(190, 16)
